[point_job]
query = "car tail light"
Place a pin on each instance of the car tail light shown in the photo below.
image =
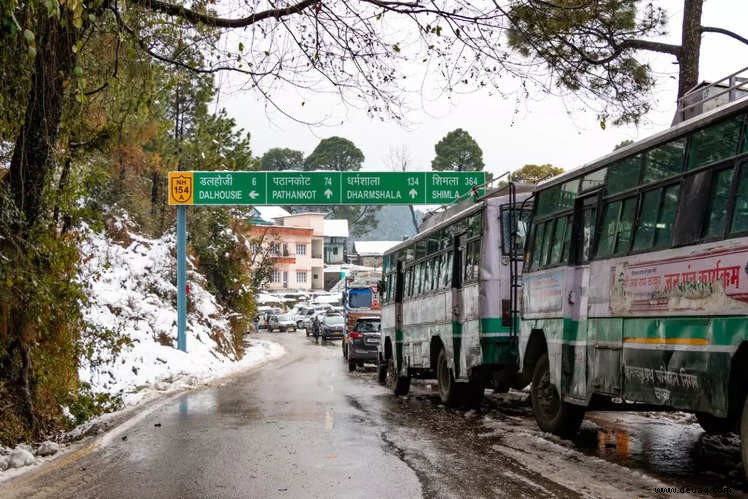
(354, 334)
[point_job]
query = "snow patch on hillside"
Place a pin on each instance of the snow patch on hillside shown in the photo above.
(131, 284)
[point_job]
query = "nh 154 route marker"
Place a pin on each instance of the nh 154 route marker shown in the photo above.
(214, 188)
(206, 188)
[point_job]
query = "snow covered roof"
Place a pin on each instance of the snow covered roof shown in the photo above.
(270, 212)
(373, 248)
(335, 228)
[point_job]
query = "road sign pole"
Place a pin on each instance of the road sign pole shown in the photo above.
(182, 278)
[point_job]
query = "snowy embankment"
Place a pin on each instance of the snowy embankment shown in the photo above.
(129, 347)
(131, 283)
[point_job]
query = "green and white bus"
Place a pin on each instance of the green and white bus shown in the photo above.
(450, 301)
(635, 287)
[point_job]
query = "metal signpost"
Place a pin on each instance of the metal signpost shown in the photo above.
(224, 188)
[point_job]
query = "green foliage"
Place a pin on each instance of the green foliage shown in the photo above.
(532, 174)
(222, 256)
(86, 404)
(335, 153)
(340, 154)
(40, 322)
(591, 50)
(458, 151)
(623, 143)
(281, 159)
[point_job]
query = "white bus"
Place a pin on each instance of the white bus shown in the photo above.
(636, 279)
(450, 298)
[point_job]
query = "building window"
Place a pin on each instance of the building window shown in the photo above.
(301, 250)
(275, 249)
(334, 250)
(300, 276)
(276, 276)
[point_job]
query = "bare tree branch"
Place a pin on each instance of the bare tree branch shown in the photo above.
(722, 31)
(220, 22)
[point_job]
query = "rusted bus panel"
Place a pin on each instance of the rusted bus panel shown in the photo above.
(688, 380)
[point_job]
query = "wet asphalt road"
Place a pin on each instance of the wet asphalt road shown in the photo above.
(302, 426)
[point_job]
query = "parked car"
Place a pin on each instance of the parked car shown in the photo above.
(361, 344)
(263, 316)
(282, 322)
(331, 327)
(306, 321)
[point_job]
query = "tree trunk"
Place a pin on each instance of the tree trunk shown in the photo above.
(688, 60)
(31, 165)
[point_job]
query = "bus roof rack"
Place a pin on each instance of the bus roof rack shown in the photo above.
(708, 96)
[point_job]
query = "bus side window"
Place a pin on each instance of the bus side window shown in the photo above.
(657, 218)
(740, 214)
(606, 237)
(716, 213)
(694, 205)
(584, 222)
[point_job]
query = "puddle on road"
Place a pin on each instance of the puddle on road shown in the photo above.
(667, 445)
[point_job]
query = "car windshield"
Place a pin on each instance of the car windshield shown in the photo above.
(334, 320)
(367, 326)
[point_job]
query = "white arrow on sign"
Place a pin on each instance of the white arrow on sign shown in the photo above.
(328, 193)
(413, 193)
(253, 195)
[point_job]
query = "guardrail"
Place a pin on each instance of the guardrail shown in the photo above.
(703, 97)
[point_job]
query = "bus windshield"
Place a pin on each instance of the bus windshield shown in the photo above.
(359, 298)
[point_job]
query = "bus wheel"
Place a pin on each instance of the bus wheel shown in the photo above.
(400, 385)
(713, 425)
(381, 370)
(448, 389)
(744, 436)
(551, 413)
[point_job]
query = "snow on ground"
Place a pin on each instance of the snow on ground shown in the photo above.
(132, 288)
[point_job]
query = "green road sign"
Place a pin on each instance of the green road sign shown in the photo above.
(320, 188)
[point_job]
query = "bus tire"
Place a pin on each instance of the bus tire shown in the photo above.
(448, 389)
(400, 385)
(551, 412)
(381, 370)
(744, 436)
(473, 395)
(712, 425)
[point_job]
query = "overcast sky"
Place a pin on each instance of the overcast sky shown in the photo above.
(546, 129)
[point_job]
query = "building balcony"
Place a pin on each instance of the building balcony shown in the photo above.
(283, 259)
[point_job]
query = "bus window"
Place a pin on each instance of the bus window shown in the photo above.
(585, 219)
(568, 194)
(606, 238)
(656, 218)
(740, 215)
(447, 271)
(543, 260)
(664, 232)
(714, 142)
(647, 220)
(560, 240)
(522, 219)
(716, 218)
(625, 227)
(593, 179)
(548, 200)
(624, 174)
(664, 161)
(537, 244)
